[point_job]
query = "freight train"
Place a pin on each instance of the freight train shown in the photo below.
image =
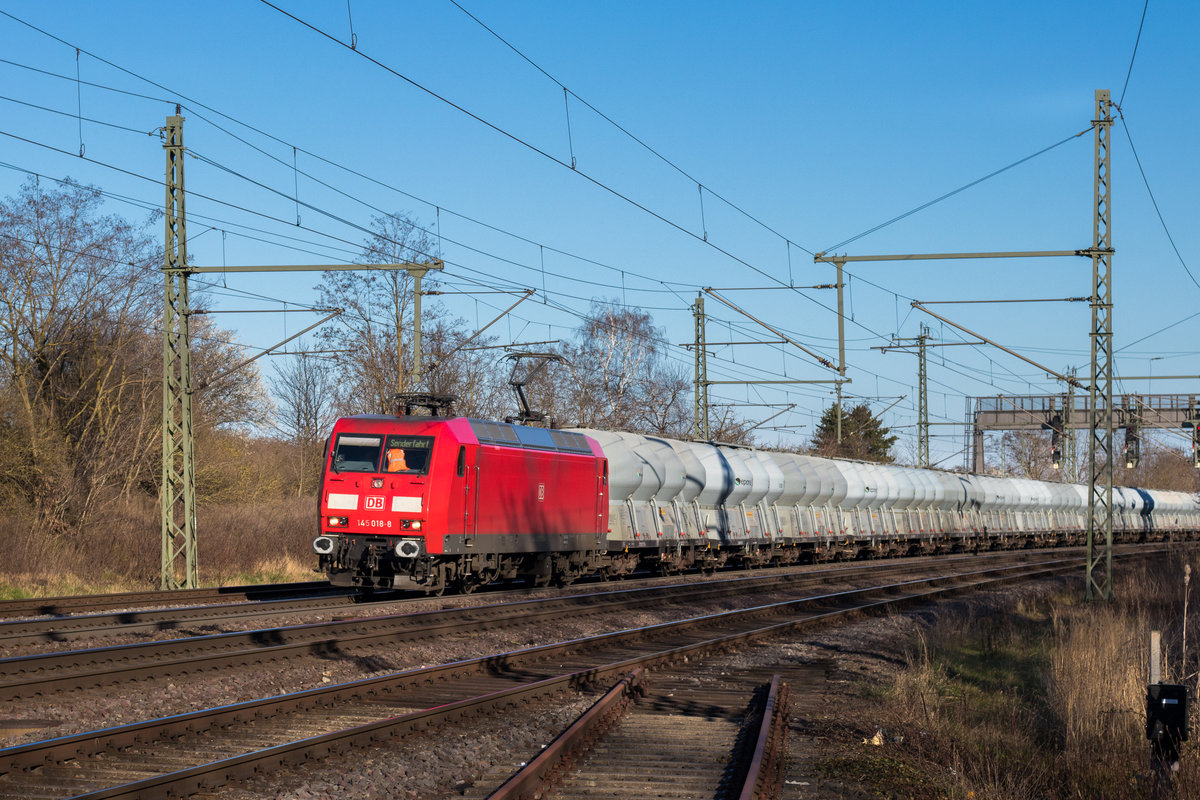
(430, 503)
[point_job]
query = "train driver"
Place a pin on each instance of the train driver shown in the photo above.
(395, 460)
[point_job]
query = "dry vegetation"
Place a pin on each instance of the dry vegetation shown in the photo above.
(263, 541)
(1044, 700)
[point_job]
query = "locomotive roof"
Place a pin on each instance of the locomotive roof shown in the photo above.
(502, 434)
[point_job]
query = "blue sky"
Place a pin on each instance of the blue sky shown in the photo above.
(818, 121)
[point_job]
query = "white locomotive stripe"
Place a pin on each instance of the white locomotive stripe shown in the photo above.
(345, 502)
(409, 505)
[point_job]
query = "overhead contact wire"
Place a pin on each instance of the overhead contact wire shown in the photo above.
(959, 190)
(626, 132)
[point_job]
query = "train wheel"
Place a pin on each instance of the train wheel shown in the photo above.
(439, 588)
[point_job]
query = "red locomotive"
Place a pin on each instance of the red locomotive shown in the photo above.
(403, 505)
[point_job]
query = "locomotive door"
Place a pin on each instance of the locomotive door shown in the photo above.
(467, 471)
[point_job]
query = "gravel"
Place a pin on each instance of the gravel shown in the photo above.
(442, 764)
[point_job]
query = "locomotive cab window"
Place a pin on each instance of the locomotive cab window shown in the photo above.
(357, 453)
(408, 454)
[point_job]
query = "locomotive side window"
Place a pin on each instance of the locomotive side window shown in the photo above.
(462, 461)
(408, 454)
(357, 453)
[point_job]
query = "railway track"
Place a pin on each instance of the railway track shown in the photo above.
(25, 622)
(99, 626)
(243, 604)
(103, 667)
(645, 739)
(89, 603)
(196, 752)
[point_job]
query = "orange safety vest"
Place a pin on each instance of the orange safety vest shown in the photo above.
(395, 460)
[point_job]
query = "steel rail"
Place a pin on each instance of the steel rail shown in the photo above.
(215, 774)
(106, 666)
(765, 772)
(700, 629)
(761, 771)
(550, 766)
(62, 628)
(62, 606)
(42, 674)
(93, 626)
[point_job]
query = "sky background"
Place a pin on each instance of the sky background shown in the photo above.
(816, 122)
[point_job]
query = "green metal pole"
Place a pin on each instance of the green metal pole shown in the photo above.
(178, 497)
(1100, 468)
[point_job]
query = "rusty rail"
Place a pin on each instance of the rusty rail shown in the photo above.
(552, 764)
(765, 775)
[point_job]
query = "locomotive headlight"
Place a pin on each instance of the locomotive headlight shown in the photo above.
(322, 545)
(338, 522)
(416, 526)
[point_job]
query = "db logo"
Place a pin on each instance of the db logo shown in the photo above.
(374, 504)
(541, 492)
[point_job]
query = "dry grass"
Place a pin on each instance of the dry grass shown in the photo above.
(264, 541)
(1045, 700)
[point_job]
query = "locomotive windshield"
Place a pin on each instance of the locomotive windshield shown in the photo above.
(409, 454)
(357, 453)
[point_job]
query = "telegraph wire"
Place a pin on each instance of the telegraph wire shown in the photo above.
(623, 130)
(438, 208)
(191, 107)
(154, 272)
(284, 195)
(125, 92)
(429, 231)
(1134, 54)
(580, 315)
(146, 205)
(1160, 330)
(529, 145)
(74, 116)
(1153, 201)
(334, 216)
(813, 300)
(217, 165)
(950, 194)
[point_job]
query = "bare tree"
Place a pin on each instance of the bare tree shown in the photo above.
(475, 376)
(663, 407)
(726, 426)
(81, 358)
(229, 393)
(1027, 454)
(616, 375)
(304, 386)
(377, 323)
(77, 312)
(1162, 466)
(614, 357)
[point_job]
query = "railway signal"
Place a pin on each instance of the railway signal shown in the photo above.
(1056, 439)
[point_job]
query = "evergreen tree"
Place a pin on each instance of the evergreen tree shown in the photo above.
(863, 436)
